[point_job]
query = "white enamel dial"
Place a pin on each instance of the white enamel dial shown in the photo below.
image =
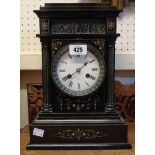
(78, 75)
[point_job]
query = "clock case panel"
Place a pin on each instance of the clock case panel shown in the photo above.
(94, 102)
(103, 128)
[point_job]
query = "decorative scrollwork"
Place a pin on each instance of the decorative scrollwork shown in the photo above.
(78, 134)
(130, 107)
(78, 27)
(61, 99)
(110, 25)
(67, 104)
(94, 100)
(125, 100)
(44, 26)
(100, 44)
(55, 46)
(35, 100)
(126, 106)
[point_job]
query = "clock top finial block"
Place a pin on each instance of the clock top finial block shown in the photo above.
(72, 9)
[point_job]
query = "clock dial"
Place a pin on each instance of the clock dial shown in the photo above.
(78, 75)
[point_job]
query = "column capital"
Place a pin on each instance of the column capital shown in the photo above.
(111, 41)
(45, 40)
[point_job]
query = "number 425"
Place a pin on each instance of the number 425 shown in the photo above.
(78, 49)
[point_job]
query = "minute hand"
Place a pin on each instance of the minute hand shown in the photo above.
(86, 63)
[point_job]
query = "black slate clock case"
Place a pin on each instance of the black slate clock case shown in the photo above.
(91, 121)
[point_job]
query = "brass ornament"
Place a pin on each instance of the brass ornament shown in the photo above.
(79, 134)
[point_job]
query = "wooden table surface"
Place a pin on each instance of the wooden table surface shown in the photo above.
(25, 140)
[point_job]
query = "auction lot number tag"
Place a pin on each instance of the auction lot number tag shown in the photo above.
(78, 49)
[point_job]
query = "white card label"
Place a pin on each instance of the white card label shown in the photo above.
(38, 132)
(77, 49)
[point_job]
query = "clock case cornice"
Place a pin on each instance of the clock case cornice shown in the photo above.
(72, 36)
(75, 19)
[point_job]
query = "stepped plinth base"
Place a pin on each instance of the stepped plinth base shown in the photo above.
(106, 131)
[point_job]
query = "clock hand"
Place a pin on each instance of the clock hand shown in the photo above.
(84, 65)
(87, 63)
(77, 71)
(66, 77)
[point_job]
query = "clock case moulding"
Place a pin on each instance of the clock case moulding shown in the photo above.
(88, 128)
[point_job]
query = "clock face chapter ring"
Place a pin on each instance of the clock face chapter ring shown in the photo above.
(78, 75)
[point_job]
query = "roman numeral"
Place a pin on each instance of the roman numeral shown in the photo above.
(92, 77)
(69, 56)
(86, 55)
(92, 61)
(78, 85)
(94, 69)
(63, 62)
(87, 83)
(62, 70)
(70, 84)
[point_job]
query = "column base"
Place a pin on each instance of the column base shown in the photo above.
(110, 108)
(47, 109)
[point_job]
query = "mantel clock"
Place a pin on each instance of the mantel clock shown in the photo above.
(78, 70)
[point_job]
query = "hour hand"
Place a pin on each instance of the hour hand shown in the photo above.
(66, 77)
